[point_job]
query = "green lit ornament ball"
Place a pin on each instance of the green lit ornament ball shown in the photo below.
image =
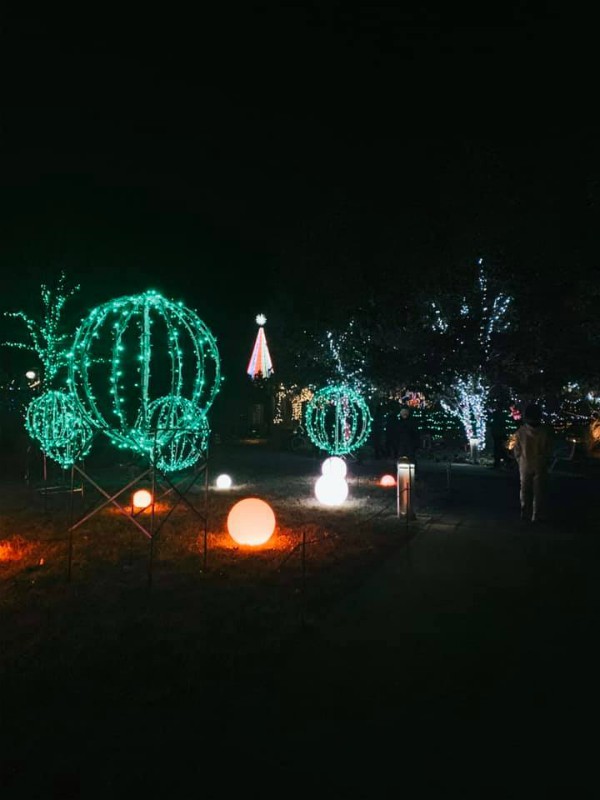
(131, 353)
(54, 420)
(338, 420)
(181, 433)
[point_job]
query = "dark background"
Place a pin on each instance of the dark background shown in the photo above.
(291, 160)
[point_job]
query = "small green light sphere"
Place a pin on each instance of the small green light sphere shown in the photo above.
(180, 433)
(54, 420)
(337, 419)
(133, 351)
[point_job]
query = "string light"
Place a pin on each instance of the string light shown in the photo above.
(344, 356)
(439, 323)
(46, 339)
(289, 402)
(260, 364)
(55, 422)
(467, 395)
(467, 400)
(181, 433)
(337, 419)
(437, 423)
(140, 361)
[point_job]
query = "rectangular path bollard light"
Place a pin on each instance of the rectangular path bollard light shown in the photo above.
(405, 481)
(474, 447)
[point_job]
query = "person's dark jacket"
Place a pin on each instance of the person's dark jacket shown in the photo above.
(498, 425)
(403, 435)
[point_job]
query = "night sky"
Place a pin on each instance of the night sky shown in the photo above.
(233, 157)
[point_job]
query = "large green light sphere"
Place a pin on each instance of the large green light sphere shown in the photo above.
(131, 353)
(181, 433)
(337, 419)
(54, 420)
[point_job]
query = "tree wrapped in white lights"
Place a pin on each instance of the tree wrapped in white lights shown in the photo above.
(328, 355)
(469, 330)
(467, 400)
(346, 353)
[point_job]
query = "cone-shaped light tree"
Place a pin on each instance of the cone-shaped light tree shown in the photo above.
(260, 364)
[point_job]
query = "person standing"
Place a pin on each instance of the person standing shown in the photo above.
(533, 449)
(378, 431)
(408, 437)
(391, 433)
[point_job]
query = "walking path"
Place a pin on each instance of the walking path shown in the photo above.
(480, 634)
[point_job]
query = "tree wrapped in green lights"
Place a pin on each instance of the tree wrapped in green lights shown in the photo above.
(47, 339)
(337, 419)
(53, 418)
(145, 370)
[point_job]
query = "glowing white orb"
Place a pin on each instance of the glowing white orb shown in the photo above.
(142, 498)
(251, 521)
(30, 374)
(223, 482)
(334, 466)
(387, 480)
(261, 319)
(331, 490)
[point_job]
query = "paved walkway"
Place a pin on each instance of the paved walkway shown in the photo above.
(478, 638)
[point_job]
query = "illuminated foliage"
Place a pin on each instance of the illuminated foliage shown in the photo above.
(46, 339)
(467, 400)
(54, 420)
(437, 423)
(466, 325)
(338, 420)
(469, 330)
(289, 402)
(142, 362)
(346, 352)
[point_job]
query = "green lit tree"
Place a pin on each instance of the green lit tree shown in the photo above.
(46, 336)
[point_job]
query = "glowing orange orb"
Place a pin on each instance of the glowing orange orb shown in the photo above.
(142, 498)
(251, 522)
(387, 480)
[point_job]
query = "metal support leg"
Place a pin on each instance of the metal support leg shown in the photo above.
(70, 557)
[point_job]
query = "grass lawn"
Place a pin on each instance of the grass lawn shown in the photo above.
(247, 599)
(107, 645)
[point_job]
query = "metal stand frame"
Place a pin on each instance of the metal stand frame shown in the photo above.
(156, 476)
(299, 547)
(46, 489)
